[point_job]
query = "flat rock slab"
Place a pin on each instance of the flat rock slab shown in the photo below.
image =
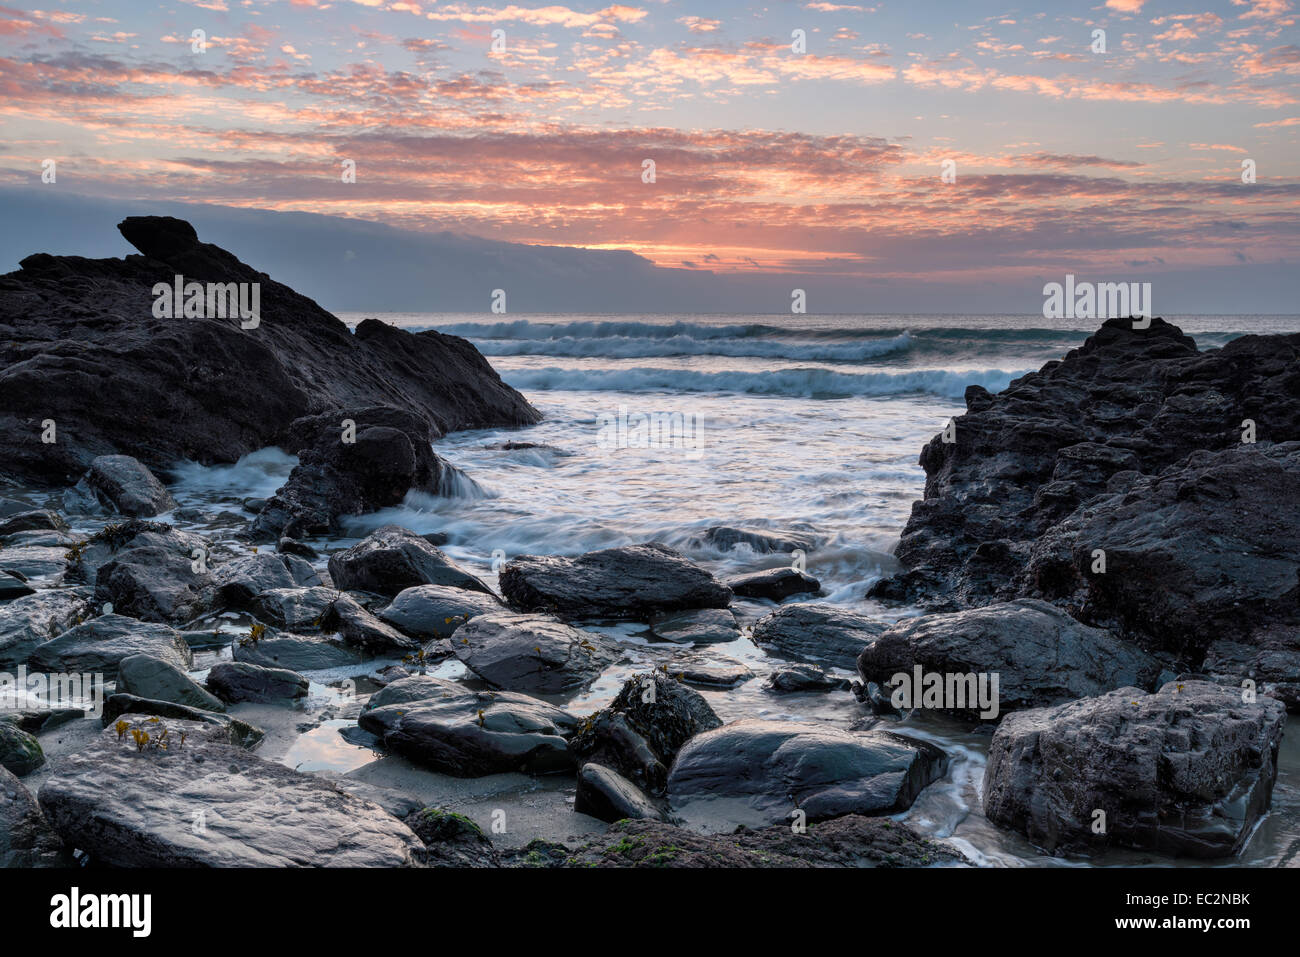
(635, 582)
(703, 626)
(814, 633)
(711, 671)
(1187, 770)
(205, 803)
(297, 652)
(99, 644)
(392, 559)
(849, 841)
(758, 772)
(1040, 654)
(467, 733)
(531, 653)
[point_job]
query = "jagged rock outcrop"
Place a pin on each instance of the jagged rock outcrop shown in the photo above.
(202, 388)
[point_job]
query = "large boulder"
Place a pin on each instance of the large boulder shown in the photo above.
(392, 559)
(85, 558)
(430, 612)
(1040, 655)
(152, 583)
(26, 838)
(28, 622)
(643, 728)
(813, 633)
(531, 653)
(147, 677)
(350, 462)
(757, 772)
(1202, 551)
(242, 579)
(634, 582)
(203, 388)
(1128, 400)
(100, 644)
(123, 484)
(1187, 770)
(464, 733)
(206, 803)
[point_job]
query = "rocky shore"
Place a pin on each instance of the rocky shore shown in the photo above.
(1101, 537)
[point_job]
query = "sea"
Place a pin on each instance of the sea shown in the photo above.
(658, 427)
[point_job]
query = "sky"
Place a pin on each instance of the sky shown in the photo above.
(794, 144)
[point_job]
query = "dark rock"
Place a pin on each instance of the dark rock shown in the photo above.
(290, 546)
(203, 389)
(26, 838)
(392, 559)
(206, 803)
(12, 587)
(849, 841)
(239, 733)
(123, 484)
(816, 633)
(1041, 655)
(389, 456)
(99, 644)
(1128, 401)
(86, 558)
(608, 796)
(531, 653)
(38, 520)
(1188, 770)
(758, 772)
(1205, 550)
(794, 678)
(297, 652)
(235, 681)
(776, 584)
(451, 840)
(435, 611)
(148, 677)
(327, 611)
(710, 671)
(242, 579)
(643, 728)
(27, 622)
(636, 582)
(702, 626)
(727, 537)
(467, 733)
(20, 752)
(41, 720)
(301, 571)
(153, 584)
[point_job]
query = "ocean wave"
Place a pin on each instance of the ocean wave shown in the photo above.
(804, 383)
(628, 347)
(603, 329)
